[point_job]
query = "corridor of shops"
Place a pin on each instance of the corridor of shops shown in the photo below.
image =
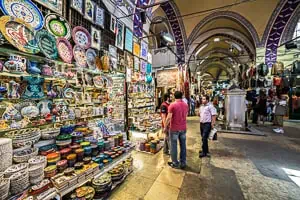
(240, 167)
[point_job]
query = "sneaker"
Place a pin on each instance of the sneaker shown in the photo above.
(171, 164)
(202, 155)
(277, 130)
(281, 131)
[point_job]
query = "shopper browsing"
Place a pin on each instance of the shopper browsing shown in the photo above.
(177, 114)
(164, 113)
(280, 110)
(208, 116)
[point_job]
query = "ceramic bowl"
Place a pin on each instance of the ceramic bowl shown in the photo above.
(21, 156)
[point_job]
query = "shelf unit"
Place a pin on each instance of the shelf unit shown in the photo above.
(103, 171)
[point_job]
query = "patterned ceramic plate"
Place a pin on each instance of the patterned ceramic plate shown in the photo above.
(47, 44)
(25, 10)
(91, 58)
(58, 26)
(79, 56)
(64, 50)
(81, 37)
(19, 34)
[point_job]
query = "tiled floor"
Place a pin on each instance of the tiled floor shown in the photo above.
(241, 167)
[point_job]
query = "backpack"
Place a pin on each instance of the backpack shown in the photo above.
(262, 69)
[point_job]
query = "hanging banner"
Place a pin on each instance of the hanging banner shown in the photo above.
(77, 5)
(128, 75)
(96, 38)
(149, 68)
(143, 66)
(144, 50)
(136, 47)
(136, 64)
(120, 35)
(129, 60)
(167, 78)
(113, 22)
(128, 40)
(99, 18)
(55, 6)
(89, 10)
(113, 57)
(149, 58)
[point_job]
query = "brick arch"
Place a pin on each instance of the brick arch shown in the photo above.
(283, 14)
(225, 14)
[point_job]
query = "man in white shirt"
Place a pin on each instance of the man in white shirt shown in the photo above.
(208, 114)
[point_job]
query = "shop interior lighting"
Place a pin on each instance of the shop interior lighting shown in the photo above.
(216, 39)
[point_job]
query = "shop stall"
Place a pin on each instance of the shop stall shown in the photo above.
(63, 102)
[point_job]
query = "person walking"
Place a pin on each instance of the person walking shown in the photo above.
(208, 116)
(193, 106)
(280, 111)
(164, 113)
(177, 114)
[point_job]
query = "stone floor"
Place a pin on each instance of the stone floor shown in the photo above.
(241, 167)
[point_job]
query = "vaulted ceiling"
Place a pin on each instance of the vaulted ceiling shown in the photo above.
(215, 42)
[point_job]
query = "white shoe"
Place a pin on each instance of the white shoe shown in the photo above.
(281, 131)
(278, 130)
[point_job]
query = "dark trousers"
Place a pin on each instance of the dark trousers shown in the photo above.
(205, 129)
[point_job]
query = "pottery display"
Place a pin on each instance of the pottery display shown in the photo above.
(15, 64)
(11, 28)
(81, 37)
(6, 152)
(58, 26)
(25, 10)
(34, 88)
(44, 107)
(13, 90)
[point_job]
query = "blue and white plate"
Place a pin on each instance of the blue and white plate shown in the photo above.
(25, 10)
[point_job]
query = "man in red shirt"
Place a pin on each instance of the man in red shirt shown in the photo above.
(164, 113)
(177, 114)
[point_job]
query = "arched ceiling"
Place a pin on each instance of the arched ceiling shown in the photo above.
(215, 42)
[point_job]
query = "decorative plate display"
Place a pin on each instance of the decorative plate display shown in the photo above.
(25, 10)
(81, 37)
(47, 44)
(58, 26)
(91, 58)
(19, 34)
(64, 49)
(79, 56)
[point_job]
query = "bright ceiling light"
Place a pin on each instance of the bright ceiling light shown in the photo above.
(167, 37)
(201, 48)
(217, 40)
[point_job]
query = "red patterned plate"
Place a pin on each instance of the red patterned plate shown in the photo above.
(64, 50)
(81, 37)
(79, 56)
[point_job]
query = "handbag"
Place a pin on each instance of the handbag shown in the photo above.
(262, 69)
(277, 68)
(277, 81)
(296, 67)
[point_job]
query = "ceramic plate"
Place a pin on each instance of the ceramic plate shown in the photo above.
(25, 10)
(47, 44)
(81, 37)
(19, 34)
(58, 26)
(79, 56)
(64, 49)
(91, 58)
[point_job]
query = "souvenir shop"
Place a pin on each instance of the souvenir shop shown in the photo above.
(278, 80)
(74, 83)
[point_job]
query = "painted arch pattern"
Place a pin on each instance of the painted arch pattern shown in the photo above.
(277, 29)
